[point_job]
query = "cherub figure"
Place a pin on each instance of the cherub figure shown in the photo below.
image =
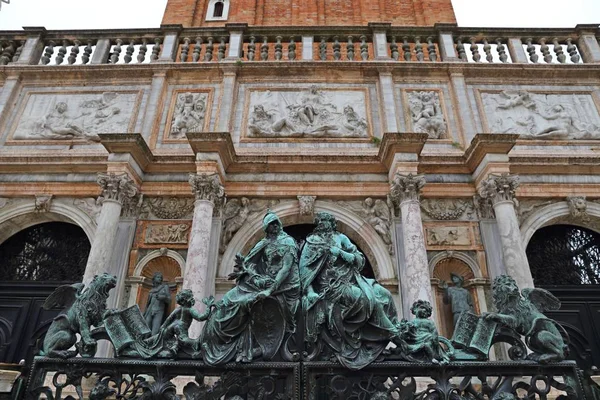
(421, 336)
(523, 312)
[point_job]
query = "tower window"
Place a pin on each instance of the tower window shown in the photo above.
(217, 10)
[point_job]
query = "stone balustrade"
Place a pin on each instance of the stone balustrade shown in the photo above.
(375, 42)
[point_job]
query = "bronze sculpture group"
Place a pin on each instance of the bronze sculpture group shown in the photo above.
(311, 303)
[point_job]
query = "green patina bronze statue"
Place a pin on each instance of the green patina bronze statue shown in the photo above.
(83, 309)
(457, 296)
(159, 299)
(346, 315)
(255, 317)
(523, 312)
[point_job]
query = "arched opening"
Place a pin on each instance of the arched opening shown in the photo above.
(35, 261)
(565, 259)
(218, 9)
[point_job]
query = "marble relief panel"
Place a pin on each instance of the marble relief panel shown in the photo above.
(162, 234)
(190, 113)
(425, 113)
(540, 115)
(456, 235)
(312, 112)
(75, 116)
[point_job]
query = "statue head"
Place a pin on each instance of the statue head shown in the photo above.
(271, 223)
(188, 97)
(325, 222)
(314, 89)
(61, 107)
(185, 298)
(199, 106)
(458, 280)
(505, 292)
(369, 202)
(421, 309)
(157, 279)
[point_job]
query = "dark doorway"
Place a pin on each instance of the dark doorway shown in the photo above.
(565, 259)
(33, 263)
(301, 231)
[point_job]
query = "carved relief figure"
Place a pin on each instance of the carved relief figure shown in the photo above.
(457, 296)
(377, 213)
(311, 113)
(237, 212)
(176, 233)
(426, 113)
(189, 115)
(578, 208)
(447, 209)
(75, 116)
(542, 116)
(452, 236)
(158, 302)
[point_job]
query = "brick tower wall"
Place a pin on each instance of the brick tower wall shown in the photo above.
(314, 12)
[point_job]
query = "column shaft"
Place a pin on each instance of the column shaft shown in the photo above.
(104, 240)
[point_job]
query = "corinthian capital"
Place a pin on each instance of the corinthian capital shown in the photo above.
(208, 187)
(499, 188)
(117, 187)
(406, 188)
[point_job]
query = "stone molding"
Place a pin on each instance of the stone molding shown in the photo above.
(406, 188)
(499, 188)
(208, 187)
(117, 187)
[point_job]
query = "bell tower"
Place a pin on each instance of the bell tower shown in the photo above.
(197, 13)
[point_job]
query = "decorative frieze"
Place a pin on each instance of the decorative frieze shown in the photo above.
(208, 187)
(75, 116)
(167, 207)
(499, 188)
(310, 113)
(406, 188)
(426, 113)
(167, 234)
(116, 187)
(237, 211)
(542, 115)
(448, 209)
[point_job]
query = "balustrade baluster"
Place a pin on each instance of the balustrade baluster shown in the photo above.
(545, 49)
(8, 51)
(264, 49)
(364, 48)
(208, 55)
(48, 52)
(221, 49)
(252, 48)
(292, 49)
(337, 53)
(17, 54)
(350, 49)
(114, 57)
(141, 57)
(572, 50)
(197, 49)
(406, 49)
(487, 49)
(460, 48)
(533, 57)
(87, 53)
(185, 49)
(431, 49)
(74, 52)
(558, 50)
(323, 49)
(278, 48)
(394, 49)
(129, 52)
(501, 51)
(155, 50)
(419, 49)
(475, 50)
(62, 52)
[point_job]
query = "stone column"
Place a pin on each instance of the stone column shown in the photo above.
(500, 189)
(414, 273)
(116, 189)
(209, 194)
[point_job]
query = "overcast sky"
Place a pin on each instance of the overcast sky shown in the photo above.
(87, 14)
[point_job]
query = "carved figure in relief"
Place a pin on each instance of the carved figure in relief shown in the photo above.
(427, 114)
(189, 115)
(176, 233)
(253, 319)
(446, 210)
(442, 237)
(306, 204)
(347, 315)
(311, 113)
(542, 116)
(378, 215)
(158, 302)
(457, 296)
(236, 213)
(578, 207)
(83, 308)
(168, 207)
(523, 312)
(58, 125)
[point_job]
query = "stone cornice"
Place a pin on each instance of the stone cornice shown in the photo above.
(488, 143)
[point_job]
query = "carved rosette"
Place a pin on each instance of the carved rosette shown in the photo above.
(499, 188)
(117, 188)
(208, 187)
(406, 188)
